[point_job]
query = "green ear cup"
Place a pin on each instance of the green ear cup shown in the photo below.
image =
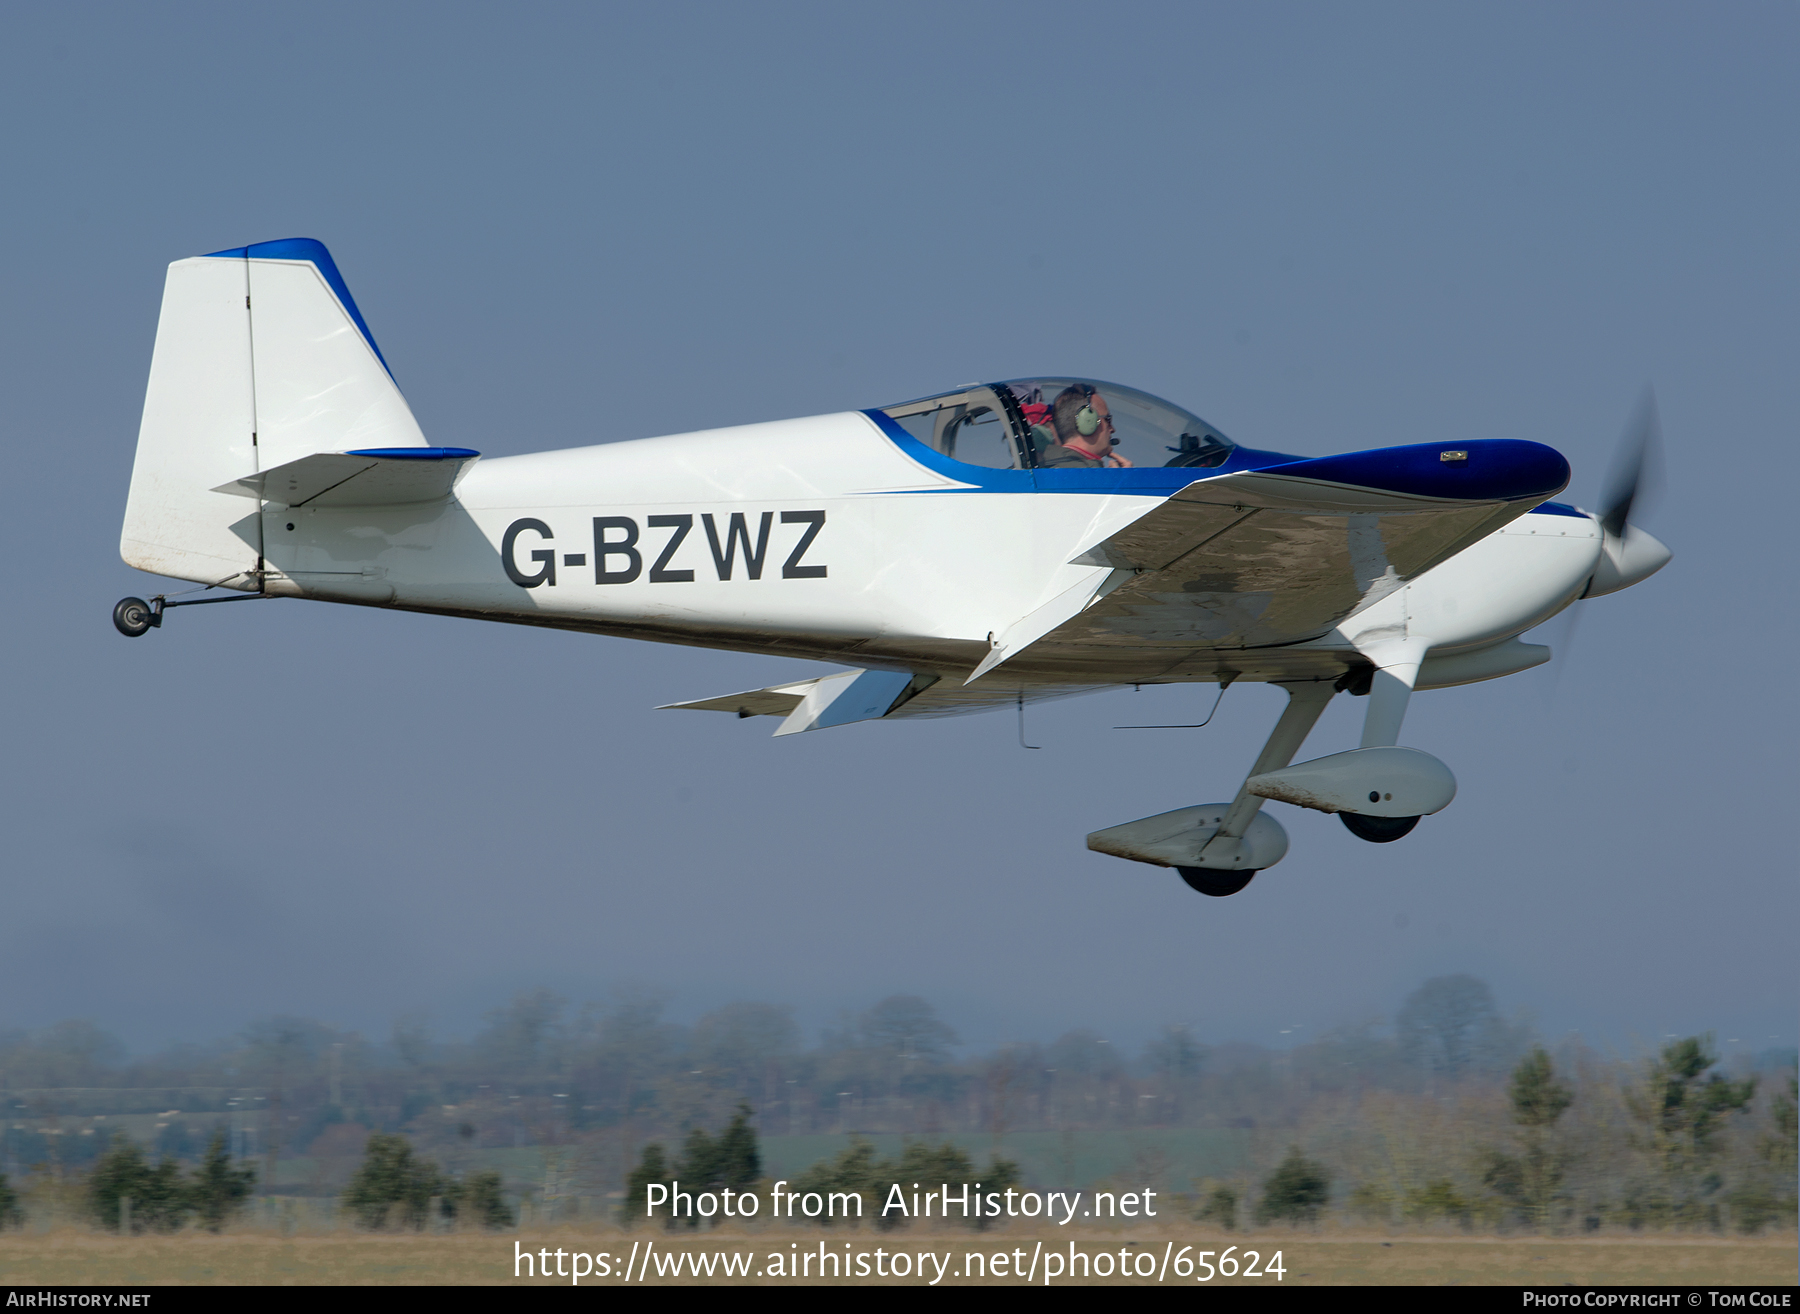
(1087, 421)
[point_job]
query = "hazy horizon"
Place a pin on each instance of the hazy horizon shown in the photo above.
(816, 1021)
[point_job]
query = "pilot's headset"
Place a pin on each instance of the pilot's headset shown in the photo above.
(1087, 419)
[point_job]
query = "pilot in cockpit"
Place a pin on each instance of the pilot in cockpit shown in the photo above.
(1084, 431)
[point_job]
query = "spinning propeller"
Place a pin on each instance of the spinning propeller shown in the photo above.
(1641, 430)
(1627, 554)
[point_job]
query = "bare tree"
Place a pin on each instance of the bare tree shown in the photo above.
(1450, 1026)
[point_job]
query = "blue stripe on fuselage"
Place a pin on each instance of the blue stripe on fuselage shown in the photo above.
(1493, 469)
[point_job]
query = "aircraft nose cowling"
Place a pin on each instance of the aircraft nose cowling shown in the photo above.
(1625, 560)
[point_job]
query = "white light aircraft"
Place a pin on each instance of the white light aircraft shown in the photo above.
(983, 548)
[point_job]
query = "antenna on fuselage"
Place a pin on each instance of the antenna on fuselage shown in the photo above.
(1022, 743)
(1224, 684)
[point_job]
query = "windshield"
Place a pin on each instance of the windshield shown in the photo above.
(1058, 422)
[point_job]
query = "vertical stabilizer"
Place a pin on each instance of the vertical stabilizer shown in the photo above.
(261, 358)
(198, 431)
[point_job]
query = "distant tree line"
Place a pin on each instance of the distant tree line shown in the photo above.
(1452, 1116)
(126, 1193)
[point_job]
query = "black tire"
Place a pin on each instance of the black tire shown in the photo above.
(1215, 884)
(132, 617)
(1377, 830)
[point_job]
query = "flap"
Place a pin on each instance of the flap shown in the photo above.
(376, 477)
(1270, 557)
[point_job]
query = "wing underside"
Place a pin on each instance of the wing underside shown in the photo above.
(1253, 560)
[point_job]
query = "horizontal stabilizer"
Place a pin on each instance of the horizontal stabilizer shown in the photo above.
(821, 703)
(378, 477)
(845, 699)
(777, 700)
(928, 696)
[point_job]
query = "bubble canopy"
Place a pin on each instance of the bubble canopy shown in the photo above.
(1060, 422)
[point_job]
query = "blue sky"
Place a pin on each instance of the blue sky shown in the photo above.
(1322, 227)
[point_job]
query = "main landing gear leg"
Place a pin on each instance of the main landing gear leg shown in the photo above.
(1397, 669)
(1305, 704)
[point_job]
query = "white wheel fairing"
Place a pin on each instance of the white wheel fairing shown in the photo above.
(1375, 782)
(1178, 838)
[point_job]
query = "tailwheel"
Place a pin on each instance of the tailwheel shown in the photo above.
(1217, 884)
(1377, 830)
(134, 617)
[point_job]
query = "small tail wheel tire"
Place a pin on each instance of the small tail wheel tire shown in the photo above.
(1215, 884)
(133, 617)
(1377, 830)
